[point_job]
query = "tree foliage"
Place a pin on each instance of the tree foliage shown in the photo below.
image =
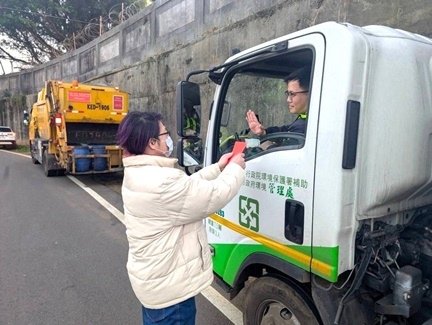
(41, 30)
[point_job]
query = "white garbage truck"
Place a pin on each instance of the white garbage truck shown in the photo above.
(333, 225)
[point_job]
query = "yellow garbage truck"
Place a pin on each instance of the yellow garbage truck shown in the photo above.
(72, 128)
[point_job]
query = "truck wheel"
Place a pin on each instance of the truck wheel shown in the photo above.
(61, 172)
(271, 301)
(46, 165)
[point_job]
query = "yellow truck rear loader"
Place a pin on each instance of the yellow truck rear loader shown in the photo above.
(72, 128)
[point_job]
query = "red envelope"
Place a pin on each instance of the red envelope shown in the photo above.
(239, 147)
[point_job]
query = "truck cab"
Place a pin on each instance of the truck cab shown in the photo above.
(333, 221)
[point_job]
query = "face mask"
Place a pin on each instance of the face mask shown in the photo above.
(170, 144)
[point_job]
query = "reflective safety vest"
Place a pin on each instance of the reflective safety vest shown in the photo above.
(191, 123)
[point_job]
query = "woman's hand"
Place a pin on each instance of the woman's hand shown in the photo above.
(254, 125)
(229, 158)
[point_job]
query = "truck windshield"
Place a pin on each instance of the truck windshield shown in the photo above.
(277, 107)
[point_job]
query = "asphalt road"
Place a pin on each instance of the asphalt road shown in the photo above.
(63, 255)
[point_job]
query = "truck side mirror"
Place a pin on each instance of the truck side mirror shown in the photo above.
(190, 152)
(188, 102)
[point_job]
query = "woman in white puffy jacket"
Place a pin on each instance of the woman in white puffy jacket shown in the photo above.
(169, 260)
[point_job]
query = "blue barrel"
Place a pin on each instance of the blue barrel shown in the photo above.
(99, 163)
(82, 164)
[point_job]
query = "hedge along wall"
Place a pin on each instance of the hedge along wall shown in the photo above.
(149, 53)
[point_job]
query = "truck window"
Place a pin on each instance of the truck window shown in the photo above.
(261, 88)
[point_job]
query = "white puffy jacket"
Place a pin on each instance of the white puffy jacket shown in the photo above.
(169, 259)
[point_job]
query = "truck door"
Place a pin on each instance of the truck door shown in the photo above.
(270, 221)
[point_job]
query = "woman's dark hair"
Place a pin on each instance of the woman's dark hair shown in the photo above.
(136, 130)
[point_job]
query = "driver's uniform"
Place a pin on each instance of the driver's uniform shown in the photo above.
(299, 126)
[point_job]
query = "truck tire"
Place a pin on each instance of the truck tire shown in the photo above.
(47, 166)
(272, 301)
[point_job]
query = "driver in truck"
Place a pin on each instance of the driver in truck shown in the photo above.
(297, 94)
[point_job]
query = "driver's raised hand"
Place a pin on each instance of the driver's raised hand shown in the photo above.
(229, 158)
(254, 125)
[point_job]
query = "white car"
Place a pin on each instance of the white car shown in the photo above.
(7, 137)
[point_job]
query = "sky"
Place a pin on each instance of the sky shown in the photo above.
(6, 67)
(7, 64)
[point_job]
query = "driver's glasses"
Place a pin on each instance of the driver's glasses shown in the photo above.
(167, 132)
(292, 94)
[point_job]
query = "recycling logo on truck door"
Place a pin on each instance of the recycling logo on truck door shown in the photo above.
(249, 213)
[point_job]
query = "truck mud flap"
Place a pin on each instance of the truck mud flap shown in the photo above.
(51, 166)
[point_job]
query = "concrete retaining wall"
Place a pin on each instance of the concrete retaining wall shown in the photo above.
(149, 53)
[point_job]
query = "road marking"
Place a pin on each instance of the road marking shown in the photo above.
(100, 199)
(228, 309)
(16, 153)
(215, 298)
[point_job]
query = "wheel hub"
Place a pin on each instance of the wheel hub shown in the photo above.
(275, 313)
